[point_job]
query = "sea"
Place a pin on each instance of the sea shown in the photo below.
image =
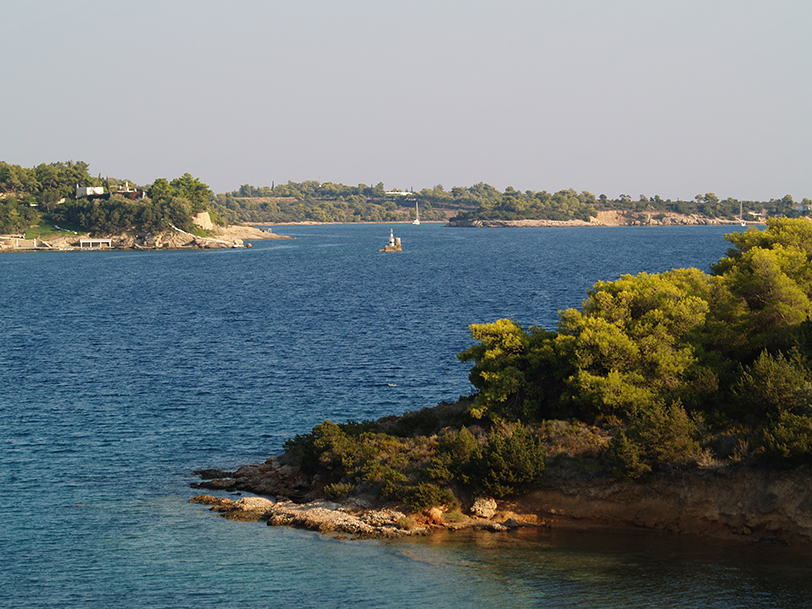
(123, 372)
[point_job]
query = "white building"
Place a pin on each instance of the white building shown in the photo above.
(84, 191)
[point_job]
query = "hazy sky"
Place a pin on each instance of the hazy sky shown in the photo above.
(674, 98)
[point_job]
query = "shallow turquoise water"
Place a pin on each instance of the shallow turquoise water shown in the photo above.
(122, 372)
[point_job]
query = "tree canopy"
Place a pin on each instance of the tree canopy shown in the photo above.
(732, 349)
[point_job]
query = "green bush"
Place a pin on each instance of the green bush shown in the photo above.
(424, 495)
(454, 517)
(788, 441)
(511, 460)
(626, 456)
(452, 458)
(774, 384)
(654, 436)
(424, 422)
(338, 489)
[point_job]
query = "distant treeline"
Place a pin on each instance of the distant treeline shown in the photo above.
(321, 202)
(329, 202)
(569, 205)
(49, 189)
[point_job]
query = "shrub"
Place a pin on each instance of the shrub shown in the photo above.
(788, 441)
(451, 461)
(455, 517)
(656, 435)
(512, 459)
(423, 421)
(338, 489)
(774, 384)
(423, 495)
(626, 457)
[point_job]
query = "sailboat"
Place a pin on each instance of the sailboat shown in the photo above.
(741, 215)
(416, 215)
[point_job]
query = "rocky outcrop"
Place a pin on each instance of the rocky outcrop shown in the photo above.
(246, 233)
(300, 502)
(247, 509)
(752, 504)
(172, 239)
(274, 478)
(203, 220)
(223, 237)
(484, 507)
(169, 239)
(328, 517)
(323, 516)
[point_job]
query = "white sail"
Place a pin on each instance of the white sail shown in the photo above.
(416, 215)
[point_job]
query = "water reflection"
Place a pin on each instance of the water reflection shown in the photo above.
(620, 568)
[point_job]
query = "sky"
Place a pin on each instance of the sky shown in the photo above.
(654, 97)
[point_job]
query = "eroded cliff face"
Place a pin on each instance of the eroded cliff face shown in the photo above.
(756, 504)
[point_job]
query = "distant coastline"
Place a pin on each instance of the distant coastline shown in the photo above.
(607, 218)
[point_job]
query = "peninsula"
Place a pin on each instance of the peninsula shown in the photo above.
(60, 207)
(679, 401)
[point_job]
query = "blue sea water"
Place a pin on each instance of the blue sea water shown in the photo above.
(122, 372)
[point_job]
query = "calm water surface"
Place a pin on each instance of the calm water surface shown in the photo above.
(121, 373)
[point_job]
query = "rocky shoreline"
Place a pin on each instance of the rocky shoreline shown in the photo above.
(222, 237)
(733, 502)
(604, 218)
(298, 501)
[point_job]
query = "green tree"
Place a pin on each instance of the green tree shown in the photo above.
(631, 343)
(193, 190)
(769, 278)
(513, 370)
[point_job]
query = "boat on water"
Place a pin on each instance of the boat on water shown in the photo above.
(741, 214)
(416, 215)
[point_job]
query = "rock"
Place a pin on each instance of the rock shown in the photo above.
(729, 502)
(484, 507)
(209, 500)
(382, 517)
(245, 233)
(203, 220)
(210, 474)
(250, 509)
(434, 516)
(217, 484)
(328, 517)
(251, 504)
(246, 509)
